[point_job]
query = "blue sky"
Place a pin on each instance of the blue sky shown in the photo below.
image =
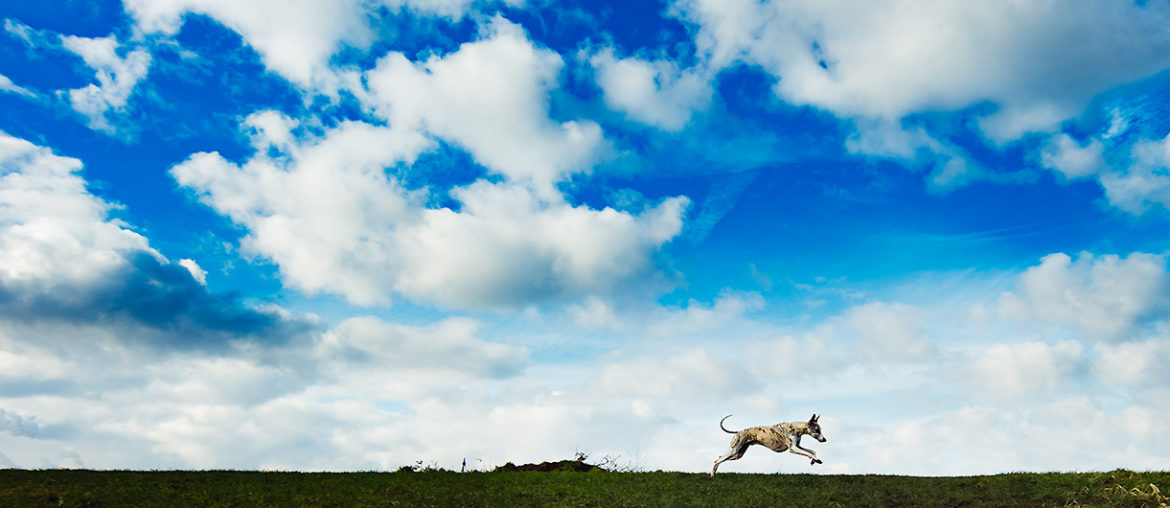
(356, 235)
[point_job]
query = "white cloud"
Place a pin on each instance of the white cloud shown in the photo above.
(1144, 182)
(17, 425)
(508, 246)
(1024, 370)
(391, 394)
(1132, 174)
(322, 212)
(294, 38)
(1024, 67)
(686, 375)
(890, 331)
(197, 273)
(116, 76)
(203, 380)
(64, 260)
(143, 408)
(785, 357)
(1105, 297)
(862, 59)
(950, 166)
(27, 362)
(332, 219)
(20, 30)
(654, 92)
(450, 348)
(448, 8)
(697, 317)
(53, 232)
(891, 139)
(271, 129)
(6, 85)
(491, 98)
(986, 440)
(1145, 363)
(594, 312)
(1072, 159)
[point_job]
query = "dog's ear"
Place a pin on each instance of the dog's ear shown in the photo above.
(813, 419)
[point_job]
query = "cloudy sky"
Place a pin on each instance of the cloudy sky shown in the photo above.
(360, 234)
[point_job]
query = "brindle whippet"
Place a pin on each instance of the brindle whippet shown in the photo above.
(777, 437)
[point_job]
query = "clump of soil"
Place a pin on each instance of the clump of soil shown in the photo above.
(560, 465)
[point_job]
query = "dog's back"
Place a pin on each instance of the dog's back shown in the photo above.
(774, 437)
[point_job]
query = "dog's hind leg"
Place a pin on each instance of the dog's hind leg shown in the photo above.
(735, 452)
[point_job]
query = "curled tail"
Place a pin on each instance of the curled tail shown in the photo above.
(725, 428)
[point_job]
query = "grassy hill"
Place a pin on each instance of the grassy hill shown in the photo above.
(569, 488)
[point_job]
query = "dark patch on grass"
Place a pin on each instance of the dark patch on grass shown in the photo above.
(579, 466)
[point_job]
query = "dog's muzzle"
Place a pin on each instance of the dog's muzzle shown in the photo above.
(821, 439)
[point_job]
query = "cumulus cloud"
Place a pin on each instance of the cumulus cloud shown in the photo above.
(1024, 370)
(1072, 159)
(62, 258)
(294, 39)
(862, 59)
(451, 347)
(1105, 297)
(337, 243)
(391, 394)
(326, 211)
(987, 440)
(510, 247)
(882, 66)
(1127, 155)
(594, 312)
(890, 331)
(691, 374)
(1145, 363)
(491, 98)
(132, 407)
(17, 425)
(54, 232)
(116, 77)
(653, 92)
(1142, 183)
(197, 273)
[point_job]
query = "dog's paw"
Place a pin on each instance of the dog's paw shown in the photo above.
(816, 461)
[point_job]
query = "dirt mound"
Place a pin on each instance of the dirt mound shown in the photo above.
(560, 465)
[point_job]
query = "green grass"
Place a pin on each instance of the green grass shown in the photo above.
(520, 488)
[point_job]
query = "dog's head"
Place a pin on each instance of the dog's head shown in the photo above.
(814, 428)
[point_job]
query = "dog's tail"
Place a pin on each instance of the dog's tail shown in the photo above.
(725, 428)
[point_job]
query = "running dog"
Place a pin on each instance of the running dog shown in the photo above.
(777, 438)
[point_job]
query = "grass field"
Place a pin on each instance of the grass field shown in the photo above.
(525, 488)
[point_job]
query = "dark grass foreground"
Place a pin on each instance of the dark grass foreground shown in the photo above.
(565, 488)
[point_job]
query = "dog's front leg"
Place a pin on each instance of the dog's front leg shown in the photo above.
(807, 453)
(803, 448)
(813, 459)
